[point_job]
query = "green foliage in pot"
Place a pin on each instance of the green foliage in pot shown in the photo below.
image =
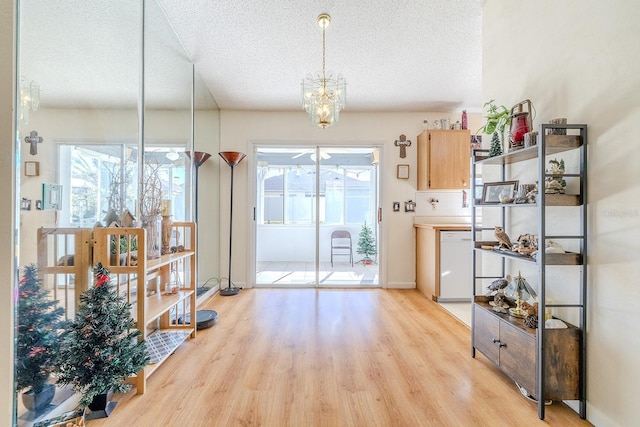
(124, 245)
(100, 349)
(39, 321)
(498, 119)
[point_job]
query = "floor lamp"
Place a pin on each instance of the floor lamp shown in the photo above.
(199, 157)
(232, 158)
(204, 318)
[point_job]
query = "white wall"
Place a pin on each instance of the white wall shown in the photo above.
(240, 129)
(7, 162)
(295, 243)
(579, 59)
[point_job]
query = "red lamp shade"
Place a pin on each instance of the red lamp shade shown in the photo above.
(232, 157)
(199, 157)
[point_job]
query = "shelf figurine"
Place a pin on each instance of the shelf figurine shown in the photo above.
(503, 238)
(496, 145)
(555, 184)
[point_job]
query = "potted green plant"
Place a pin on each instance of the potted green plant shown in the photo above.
(366, 244)
(101, 349)
(498, 119)
(39, 321)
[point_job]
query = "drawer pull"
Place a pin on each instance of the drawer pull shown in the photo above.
(502, 345)
(495, 340)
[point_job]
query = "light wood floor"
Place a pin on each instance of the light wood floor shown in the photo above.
(307, 357)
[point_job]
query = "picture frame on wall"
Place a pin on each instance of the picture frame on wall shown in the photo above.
(476, 142)
(403, 172)
(492, 191)
(31, 168)
(25, 204)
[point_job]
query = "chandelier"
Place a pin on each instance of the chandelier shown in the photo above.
(324, 93)
(29, 98)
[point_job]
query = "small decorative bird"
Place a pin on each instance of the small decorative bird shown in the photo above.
(498, 284)
(502, 237)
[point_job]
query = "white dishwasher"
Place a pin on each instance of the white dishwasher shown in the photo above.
(455, 266)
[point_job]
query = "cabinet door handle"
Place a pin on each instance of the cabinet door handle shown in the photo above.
(500, 343)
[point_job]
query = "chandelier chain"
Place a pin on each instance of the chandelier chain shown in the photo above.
(324, 77)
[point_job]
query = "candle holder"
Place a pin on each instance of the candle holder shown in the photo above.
(167, 225)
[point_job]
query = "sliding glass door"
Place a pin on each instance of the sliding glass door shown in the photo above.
(316, 216)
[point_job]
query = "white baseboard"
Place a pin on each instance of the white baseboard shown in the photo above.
(205, 296)
(400, 285)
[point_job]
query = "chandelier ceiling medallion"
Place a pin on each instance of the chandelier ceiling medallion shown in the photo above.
(324, 93)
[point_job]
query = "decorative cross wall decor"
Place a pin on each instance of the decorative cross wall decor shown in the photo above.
(403, 143)
(34, 140)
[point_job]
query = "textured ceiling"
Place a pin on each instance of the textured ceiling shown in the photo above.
(400, 55)
(397, 55)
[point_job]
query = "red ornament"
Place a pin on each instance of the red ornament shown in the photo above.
(102, 280)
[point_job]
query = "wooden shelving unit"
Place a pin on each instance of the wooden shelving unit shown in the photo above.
(567, 258)
(550, 200)
(554, 144)
(548, 364)
(161, 317)
(64, 264)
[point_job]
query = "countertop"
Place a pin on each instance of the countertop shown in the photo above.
(438, 226)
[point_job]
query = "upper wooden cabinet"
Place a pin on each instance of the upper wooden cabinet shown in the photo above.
(444, 159)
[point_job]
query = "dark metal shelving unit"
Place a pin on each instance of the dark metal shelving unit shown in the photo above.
(548, 144)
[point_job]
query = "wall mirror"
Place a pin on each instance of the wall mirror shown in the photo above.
(102, 120)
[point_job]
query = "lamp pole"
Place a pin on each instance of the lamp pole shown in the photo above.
(232, 158)
(204, 318)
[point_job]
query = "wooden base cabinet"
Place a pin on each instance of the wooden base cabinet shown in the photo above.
(428, 256)
(511, 346)
(443, 160)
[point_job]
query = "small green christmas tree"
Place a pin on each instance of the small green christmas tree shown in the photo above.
(37, 340)
(101, 350)
(366, 243)
(496, 145)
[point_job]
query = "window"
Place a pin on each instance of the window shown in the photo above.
(104, 178)
(346, 195)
